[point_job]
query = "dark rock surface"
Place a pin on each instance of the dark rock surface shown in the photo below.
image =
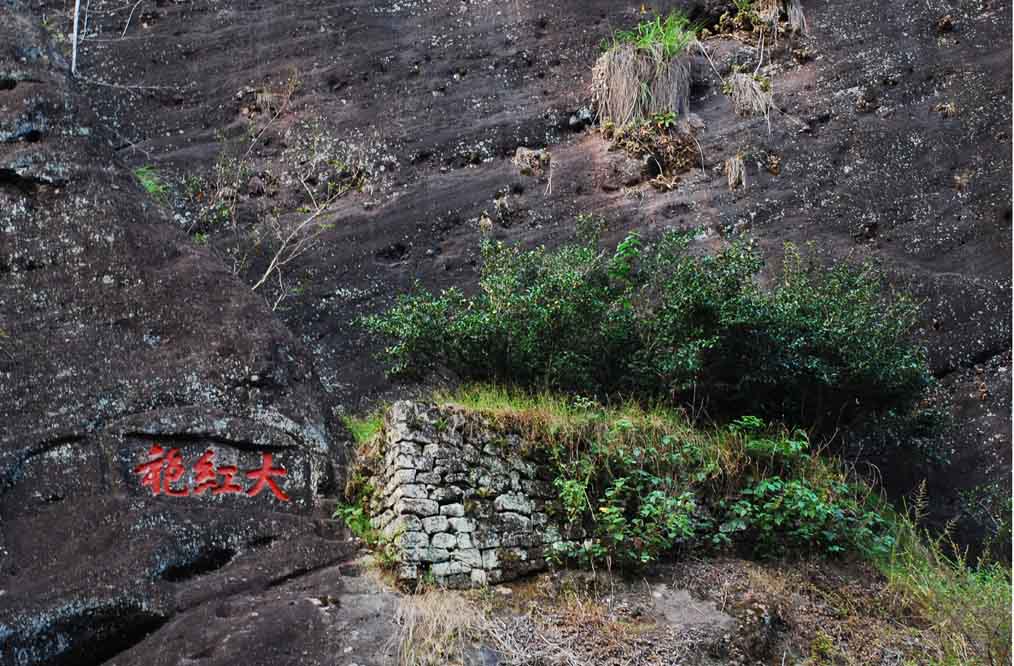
(117, 334)
(118, 331)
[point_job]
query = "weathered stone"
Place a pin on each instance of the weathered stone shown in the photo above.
(486, 539)
(497, 483)
(401, 476)
(446, 494)
(513, 502)
(433, 477)
(410, 491)
(490, 559)
(434, 554)
(444, 540)
(462, 524)
(514, 522)
(551, 534)
(457, 510)
(435, 524)
(470, 556)
(419, 507)
(414, 540)
(495, 465)
(409, 449)
(464, 541)
(450, 568)
(524, 539)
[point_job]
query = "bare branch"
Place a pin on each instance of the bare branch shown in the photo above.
(73, 56)
(129, 16)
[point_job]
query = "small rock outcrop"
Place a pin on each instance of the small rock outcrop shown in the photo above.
(462, 501)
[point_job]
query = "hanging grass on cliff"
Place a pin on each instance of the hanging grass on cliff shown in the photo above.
(646, 71)
(653, 320)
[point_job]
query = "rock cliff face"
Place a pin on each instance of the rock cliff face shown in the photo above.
(119, 331)
(461, 502)
(118, 337)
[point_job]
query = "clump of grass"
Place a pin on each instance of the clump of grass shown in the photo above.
(663, 38)
(750, 94)
(151, 181)
(796, 17)
(434, 628)
(966, 604)
(363, 428)
(646, 71)
(766, 14)
(555, 419)
(735, 171)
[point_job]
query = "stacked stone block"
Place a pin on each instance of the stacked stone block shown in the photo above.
(462, 503)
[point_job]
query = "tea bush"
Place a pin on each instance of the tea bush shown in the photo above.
(656, 321)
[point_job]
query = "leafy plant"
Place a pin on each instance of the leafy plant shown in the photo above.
(151, 181)
(358, 520)
(665, 120)
(779, 514)
(656, 321)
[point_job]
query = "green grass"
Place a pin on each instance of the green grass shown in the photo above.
(965, 605)
(665, 38)
(363, 428)
(151, 181)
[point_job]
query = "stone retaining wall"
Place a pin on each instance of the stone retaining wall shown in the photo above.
(462, 502)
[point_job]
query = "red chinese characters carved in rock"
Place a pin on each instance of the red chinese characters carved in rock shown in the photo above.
(164, 470)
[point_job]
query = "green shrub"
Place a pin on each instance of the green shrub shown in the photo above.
(778, 515)
(656, 321)
(626, 497)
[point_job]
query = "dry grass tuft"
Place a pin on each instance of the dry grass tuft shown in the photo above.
(751, 95)
(576, 629)
(434, 628)
(794, 12)
(735, 172)
(769, 11)
(632, 85)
